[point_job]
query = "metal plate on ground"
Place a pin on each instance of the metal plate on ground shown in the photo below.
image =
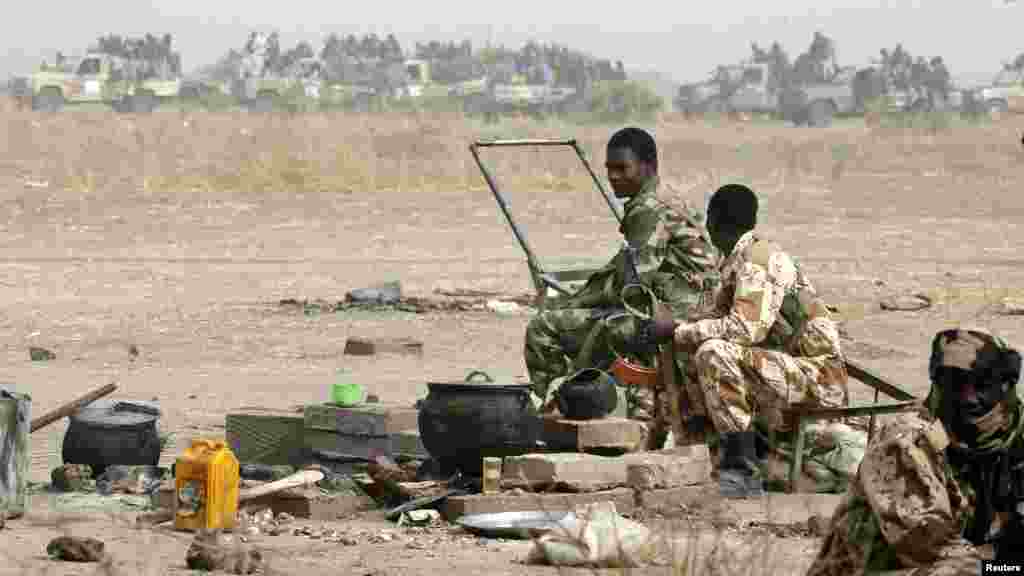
(512, 524)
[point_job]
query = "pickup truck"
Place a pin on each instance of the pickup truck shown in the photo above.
(96, 79)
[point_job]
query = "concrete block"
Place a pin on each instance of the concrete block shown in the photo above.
(371, 346)
(364, 420)
(605, 434)
(572, 472)
(681, 466)
(456, 506)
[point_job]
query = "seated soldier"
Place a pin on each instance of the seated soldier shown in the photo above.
(674, 258)
(770, 343)
(933, 489)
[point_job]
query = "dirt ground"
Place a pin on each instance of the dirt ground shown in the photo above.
(180, 233)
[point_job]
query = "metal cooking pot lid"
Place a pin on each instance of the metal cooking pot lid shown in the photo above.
(106, 413)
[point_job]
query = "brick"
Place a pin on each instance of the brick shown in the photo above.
(681, 466)
(456, 506)
(604, 434)
(573, 472)
(371, 346)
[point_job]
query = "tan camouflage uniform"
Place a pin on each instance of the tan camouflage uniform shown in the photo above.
(902, 511)
(770, 344)
(675, 258)
(910, 504)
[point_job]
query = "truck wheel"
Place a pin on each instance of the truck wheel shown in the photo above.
(142, 103)
(263, 104)
(996, 109)
(819, 114)
(716, 106)
(48, 100)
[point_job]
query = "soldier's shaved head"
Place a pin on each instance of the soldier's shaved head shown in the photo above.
(639, 142)
(734, 205)
(631, 161)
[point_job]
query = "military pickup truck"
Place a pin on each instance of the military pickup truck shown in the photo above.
(263, 93)
(748, 88)
(1005, 95)
(468, 86)
(93, 79)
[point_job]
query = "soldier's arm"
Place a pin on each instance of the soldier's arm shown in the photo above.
(904, 482)
(755, 305)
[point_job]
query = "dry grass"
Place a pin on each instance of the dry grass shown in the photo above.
(175, 151)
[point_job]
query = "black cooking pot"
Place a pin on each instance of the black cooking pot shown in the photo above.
(462, 423)
(589, 394)
(109, 432)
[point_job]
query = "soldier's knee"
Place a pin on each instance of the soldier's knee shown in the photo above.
(711, 353)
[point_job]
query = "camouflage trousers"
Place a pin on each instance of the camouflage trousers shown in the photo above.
(735, 383)
(555, 338)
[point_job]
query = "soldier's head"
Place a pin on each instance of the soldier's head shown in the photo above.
(631, 160)
(732, 212)
(974, 378)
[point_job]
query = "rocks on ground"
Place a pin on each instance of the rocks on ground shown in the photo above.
(75, 549)
(214, 551)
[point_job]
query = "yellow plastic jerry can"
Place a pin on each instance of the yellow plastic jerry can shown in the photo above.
(206, 486)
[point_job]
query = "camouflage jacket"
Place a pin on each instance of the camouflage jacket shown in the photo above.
(904, 509)
(765, 300)
(674, 256)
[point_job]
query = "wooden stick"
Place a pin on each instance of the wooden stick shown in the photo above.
(667, 369)
(300, 478)
(71, 407)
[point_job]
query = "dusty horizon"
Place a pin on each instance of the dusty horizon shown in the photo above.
(721, 34)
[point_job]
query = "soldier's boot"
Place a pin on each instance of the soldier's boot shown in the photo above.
(738, 475)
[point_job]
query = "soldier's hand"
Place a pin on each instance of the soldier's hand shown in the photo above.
(663, 325)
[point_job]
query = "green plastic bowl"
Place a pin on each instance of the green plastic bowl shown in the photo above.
(348, 394)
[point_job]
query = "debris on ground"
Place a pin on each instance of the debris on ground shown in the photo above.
(75, 549)
(357, 346)
(388, 293)
(906, 302)
(73, 478)
(594, 535)
(504, 308)
(121, 479)
(214, 551)
(40, 354)
(1011, 307)
(449, 301)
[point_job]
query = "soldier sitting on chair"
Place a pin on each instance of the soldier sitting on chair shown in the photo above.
(674, 258)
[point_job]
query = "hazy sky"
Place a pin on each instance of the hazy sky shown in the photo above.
(683, 40)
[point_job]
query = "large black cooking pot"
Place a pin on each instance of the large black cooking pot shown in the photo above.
(462, 423)
(109, 432)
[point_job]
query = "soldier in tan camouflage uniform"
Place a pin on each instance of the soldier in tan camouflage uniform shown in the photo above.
(933, 490)
(770, 343)
(674, 257)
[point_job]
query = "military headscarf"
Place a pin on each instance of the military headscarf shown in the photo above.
(987, 360)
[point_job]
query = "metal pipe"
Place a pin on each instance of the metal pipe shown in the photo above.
(597, 182)
(531, 259)
(525, 142)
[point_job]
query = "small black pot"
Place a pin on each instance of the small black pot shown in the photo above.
(589, 394)
(460, 424)
(109, 432)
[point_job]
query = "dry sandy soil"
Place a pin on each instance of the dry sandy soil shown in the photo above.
(179, 233)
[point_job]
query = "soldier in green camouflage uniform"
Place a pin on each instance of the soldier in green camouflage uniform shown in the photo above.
(674, 257)
(932, 489)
